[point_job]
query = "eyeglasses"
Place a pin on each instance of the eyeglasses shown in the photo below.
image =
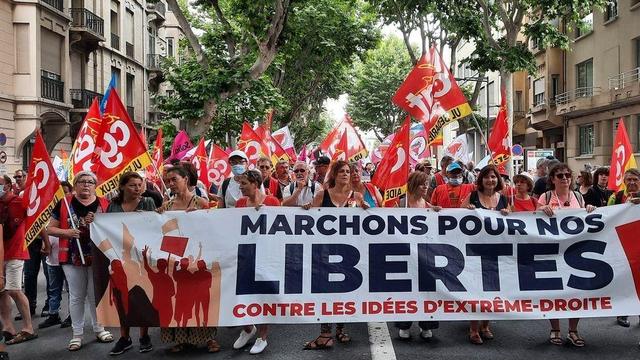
(297, 171)
(18, 177)
(265, 167)
(86, 182)
(561, 176)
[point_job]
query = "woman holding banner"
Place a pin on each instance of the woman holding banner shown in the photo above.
(486, 196)
(250, 183)
(561, 196)
(130, 199)
(177, 179)
(338, 193)
(522, 199)
(70, 223)
(369, 192)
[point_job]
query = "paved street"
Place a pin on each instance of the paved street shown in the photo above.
(514, 340)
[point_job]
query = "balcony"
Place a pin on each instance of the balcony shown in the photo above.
(82, 98)
(56, 4)
(87, 29)
(131, 112)
(115, 41)
(625, 87)
(129, 50)
(156, 12)
(154, 66)
(52, 86)
(579, 101)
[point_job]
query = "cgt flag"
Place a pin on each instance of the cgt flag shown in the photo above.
(42, 192)
(284, 138)
(200, 160)
(498, 142)
(393, 172)
(155, 169)
(621, 159)
(218, 165)
(277, 151)
(252, 145)
(356, 151)
(342, 148)
(119, 147)
(85, 144)
(431, 84)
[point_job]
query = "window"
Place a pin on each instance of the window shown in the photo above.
(115, 73)
(611, 11)
(534, 43)
(130, 87)
(555, 86)
(584, 78)
(637, 52)
(586, 140)
(152, 40)
(115, 25)
(171, 54)
(129, 26)
(492, 95)
(538, 92)
(584, 26)
(517, 106)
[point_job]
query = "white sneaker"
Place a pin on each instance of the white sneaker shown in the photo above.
(426, 334)
(244, 338)
(258, 346)
(404, 334)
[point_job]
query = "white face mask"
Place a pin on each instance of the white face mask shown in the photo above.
(2, 192)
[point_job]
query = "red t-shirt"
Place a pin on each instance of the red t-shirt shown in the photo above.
(524, 205)
(268, 201)
(12, 215)
(447, 196)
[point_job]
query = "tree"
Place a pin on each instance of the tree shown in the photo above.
(376, 79)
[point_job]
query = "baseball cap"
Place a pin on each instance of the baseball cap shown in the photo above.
(238, 153)
(322, 160)
(454, 166)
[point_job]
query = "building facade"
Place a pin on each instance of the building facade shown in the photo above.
(58, 55)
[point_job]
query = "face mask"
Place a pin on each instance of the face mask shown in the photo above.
(238, 169)
(2, 192)
(455, 181)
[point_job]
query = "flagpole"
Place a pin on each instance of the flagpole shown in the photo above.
(164, 187)
(73, 225)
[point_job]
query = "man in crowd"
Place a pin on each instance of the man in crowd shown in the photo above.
(229, 191)
(282, 177)
(321, 165)
(542, 169)
(454, 191)
(12, 214)
(440, 177)
(367, 173)
(300, 192)
(21, 179)
(270, 184)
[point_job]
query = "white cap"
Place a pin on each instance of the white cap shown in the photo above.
(238, 153)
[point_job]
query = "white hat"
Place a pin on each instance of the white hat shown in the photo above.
(238, 153)
(525, 175)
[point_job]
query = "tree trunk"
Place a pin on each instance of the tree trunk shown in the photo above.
(476, 91)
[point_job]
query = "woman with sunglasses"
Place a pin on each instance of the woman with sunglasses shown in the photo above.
(338, 193)
(250, 183)
(369, 192)
(561, 196)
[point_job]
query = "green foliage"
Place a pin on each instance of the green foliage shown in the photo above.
(376, 78)
(310, 129)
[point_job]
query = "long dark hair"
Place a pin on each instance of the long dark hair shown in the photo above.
(124, 180)
(333, 172)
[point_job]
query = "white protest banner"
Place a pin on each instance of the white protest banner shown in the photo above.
(287, 265)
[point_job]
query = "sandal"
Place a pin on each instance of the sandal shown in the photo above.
(21, 337)
(75, 344)
(213, 346)
(555, 337)
(575, 339)
(104, 336)
(475, 339)
(486, 334)
(342, 336)
(317, 345)
(178, 348)
(8, 336)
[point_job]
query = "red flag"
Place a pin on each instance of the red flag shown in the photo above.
(302, 155)
(622, 158)
(252, 145)
(342, 148)
(284, 138)
(393, 172)
(499, 142)
(42, 192)
(153, 173)
(431, 84)
(219, 168)
(276, 150)
(201, 162)
(175, 245)
(357, 149)
(84, 146)
(119, 147)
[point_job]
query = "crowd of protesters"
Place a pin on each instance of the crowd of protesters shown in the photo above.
(68, 264)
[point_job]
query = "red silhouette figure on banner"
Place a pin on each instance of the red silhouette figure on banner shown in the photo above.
(118, 290)
(163, 288)
(203, 280)
(184, 292)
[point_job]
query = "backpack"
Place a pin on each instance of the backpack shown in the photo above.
(225, 186)
(313, 187)
(577, 194)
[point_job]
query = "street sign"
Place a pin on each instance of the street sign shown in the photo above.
(3, 139)
(533, 155)
(517, 150)
(3, 157)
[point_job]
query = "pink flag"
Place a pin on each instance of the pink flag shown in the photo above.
(181, 145)
(302, 156)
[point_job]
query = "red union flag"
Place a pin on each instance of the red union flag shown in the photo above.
(85, 144)
(356, 151)
(153, 172)
(276, 150)
(284, 138)
(498, 142)
(200, 160)
(42, 192)
(342, 148)
(621, 158)
(119, 147)
(218, 165)
(393, 172)
(429, 83)
(252, 145)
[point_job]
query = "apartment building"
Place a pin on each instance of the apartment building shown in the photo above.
(57, 55)
(601, 83)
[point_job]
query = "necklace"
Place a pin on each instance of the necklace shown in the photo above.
(491, 199)
(567, 203)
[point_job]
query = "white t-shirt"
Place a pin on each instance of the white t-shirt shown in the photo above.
(306, 196)
(232, 195)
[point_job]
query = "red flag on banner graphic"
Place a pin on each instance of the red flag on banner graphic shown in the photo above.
(499, 142)
(393, 171)
(175, 245)
(340, 153)
(622, 158)
(357, 150)
(429, 83)
(219, 168)
(200, 160)
(42, 193)
(276, 150)
(84, 146)
(252, 145)
(119, 147)
(154, 171)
